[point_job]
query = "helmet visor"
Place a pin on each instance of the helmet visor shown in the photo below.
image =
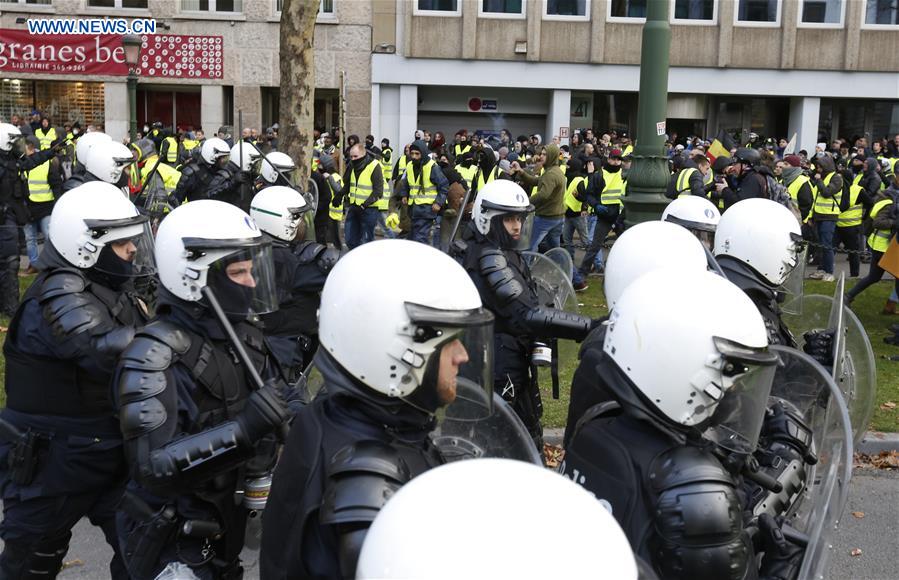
(130, 242)
(513, 231)
(242, 278)
(793, 285)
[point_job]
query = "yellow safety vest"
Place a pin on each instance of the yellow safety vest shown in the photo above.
(481, 182)
(627, 151)
(38, 187)
(573, 203)
(468, 173)
(361, 186)
(709, 177)
(793, 190)
(853, 215)
(462, 150)
(171, 155)
(383, 204)
(45, 137)
(879, 240)
(825, 206)
(335, 213)
(386, 167)
(169, 175)
(682, 185)
(614, 189)
(424, 192)
(857, 179)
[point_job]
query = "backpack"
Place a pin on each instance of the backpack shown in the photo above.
(778, 192)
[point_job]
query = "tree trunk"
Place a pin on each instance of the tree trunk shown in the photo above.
(298, 84)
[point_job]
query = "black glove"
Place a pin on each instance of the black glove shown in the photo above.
(265, 412)
(782, 558)
(819, 346)
(335, 201)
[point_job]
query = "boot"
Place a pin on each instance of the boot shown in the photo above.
(889, 307)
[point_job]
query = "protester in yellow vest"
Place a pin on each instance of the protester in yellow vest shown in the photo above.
(386, 159)
(156, 178)
(849, 227)
(609, 184)
(169, 150)
(423, 189)
(575, 205)
(882, 219)
(44, 185)
(799, 186)
(826, 212)
(45, 133)
(363, 186)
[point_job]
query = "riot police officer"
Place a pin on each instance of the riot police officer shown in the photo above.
(63, 448)
(690, 384)
(104, 161)
(197, 178)
(273, 170)
(301, 268)
(235, 183)
(13, 209)
(391, 355)
(198, 421)
(501, 218)
(83, 145)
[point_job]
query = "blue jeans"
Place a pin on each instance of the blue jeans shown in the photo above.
(549, 228)
(360, 226)
(421, 230)
(387, 232)
(31, 231)
(573, 224)
(826, 230)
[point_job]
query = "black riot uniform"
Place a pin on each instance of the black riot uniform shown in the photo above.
(346, 454)
(195, 431)
(204, 181)
(13, 214)
(504, 282)
(68, 462)
(300, 273)
(763, 296)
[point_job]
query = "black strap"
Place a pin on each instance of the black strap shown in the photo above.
(597, 410)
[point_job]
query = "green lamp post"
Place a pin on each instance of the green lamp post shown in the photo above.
(132, 44)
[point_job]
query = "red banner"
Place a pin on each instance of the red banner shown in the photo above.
(162, 55)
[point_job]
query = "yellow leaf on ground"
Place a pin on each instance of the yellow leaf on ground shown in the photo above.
(855, 552)
(858, 515)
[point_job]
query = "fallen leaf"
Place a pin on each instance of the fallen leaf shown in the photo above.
(858, 515)
(553, 455)
(855, 552)
(888, 405)
(73, 563)
(3, 329)
(882, 460)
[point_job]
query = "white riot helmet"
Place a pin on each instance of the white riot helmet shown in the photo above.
(693, 212)
(496, 200)
(84, 144)
(94, 219)
(244, 155)
(9, 136)
(393, 336)
(213, 244)
(214, 149)
(278, 211)
(645, 247)
(695, 347)
(451, 525)
(276, 162)
(762, 234)
(107, 160)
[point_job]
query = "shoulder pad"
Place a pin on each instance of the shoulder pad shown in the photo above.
(495, 268)
(62, 281)
(491, 261)
(188, 170)
(308, 252)
(68, 307)
(168, 333)
(139, 417)
(686, 464)
(361, 478)
(155, 347)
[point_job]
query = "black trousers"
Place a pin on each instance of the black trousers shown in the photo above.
(851, 239)
(875, 274)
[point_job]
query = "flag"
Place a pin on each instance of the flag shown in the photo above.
(721, 146)
(790, 149)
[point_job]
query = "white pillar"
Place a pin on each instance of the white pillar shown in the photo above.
(212, 109)
(388, 117)
(375, 126)
(804, 112)
(408, 116)
(559, 115)
(116, 118)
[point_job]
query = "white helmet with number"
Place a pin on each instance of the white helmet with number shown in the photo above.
(645, 247)
(762, 234)
(688, 341)
(213, 244)
(692, 212)
(278, 211)
(107, 160)
(94, 215)
(84, 144)
(451, 525)
(390, 336)
(214, 149)
(244, 155)
(273, 163)
(9, 134)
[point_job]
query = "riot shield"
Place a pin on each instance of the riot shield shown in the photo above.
(562, 259)
(854, 372)
(473, 427)
(553, 285)
(311, 198)
(793, 287)
(453, 222)
(817, 511)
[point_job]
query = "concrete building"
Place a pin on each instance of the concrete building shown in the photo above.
(774, 67)
(250, 73)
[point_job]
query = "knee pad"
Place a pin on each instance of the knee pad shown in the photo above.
(46, 559)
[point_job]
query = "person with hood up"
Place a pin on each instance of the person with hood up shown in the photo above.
(363, 186)
(826, 211)
(604, 193)
(423, 189)
(549, 200)
(575, 205)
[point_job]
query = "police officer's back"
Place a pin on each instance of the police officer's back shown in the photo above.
(197, 178)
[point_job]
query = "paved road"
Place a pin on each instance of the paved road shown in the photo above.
(876, 493)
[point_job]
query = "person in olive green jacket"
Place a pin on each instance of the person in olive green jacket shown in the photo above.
(547, 190)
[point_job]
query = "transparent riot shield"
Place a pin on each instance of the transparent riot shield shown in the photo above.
(562, 259)
(854, 369)
(311, 197)
(793, 287)
(473, 427)
(553, 284)
(816, 512)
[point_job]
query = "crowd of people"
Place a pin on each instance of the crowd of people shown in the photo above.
(157, 367)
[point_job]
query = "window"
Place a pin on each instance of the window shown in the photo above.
(438, 7)
(882, 12)
(627, 9)
(141, 4)
(822, 13)
(501, 8)
(757, 13)
(212, 5)
(566, 9)
(32, 2)
(695, 11)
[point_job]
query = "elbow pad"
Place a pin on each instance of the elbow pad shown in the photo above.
(550, 322)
